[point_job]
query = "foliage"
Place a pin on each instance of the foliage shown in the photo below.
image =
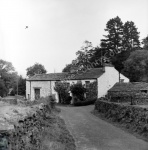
(84, 54)
(36, 69)
(130, 36)
(83, 58)
(130, 42)
(145, 43)
(67, 68)
(120, 41)
(84, 103)
(113, 40)
(136, 66)
(21, 85)
(131, 117)
(92, 91)
(78, 91)
(8, 77)
(62, 88)
(3, 89)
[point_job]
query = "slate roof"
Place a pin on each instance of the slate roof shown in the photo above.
(90, 74)
(48, 77)
(127, 87)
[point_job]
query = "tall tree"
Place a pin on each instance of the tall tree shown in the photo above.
(113, 39)
(120, 41)
(130, 42)
(130, 36)
(36, 69)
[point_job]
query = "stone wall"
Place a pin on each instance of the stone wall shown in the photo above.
(138, 98)
(132, 117)
(24, 131)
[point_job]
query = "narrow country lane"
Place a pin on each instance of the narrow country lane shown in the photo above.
(92, 133)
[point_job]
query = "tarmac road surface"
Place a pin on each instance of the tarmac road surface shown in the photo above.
(92, 133)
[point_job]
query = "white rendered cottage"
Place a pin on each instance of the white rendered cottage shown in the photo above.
(43, 85)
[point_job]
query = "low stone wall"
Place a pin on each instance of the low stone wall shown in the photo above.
(24, 131)
(141, 101)
(132, 117)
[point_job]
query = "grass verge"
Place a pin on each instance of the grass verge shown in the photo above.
(55, 135)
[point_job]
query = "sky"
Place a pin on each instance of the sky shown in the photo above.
(58, 28)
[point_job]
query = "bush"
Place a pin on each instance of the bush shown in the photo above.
(84, 103)
(132, 117)
(92, 91)
(62, 88)
(78, 91)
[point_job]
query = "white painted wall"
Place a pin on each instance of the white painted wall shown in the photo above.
(108, 79)
(46, 88)
(105, 82)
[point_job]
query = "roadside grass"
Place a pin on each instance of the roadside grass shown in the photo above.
(55, 136)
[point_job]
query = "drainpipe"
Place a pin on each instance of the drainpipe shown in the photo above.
(30, 90)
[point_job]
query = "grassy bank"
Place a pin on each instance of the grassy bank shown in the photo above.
(55, 135)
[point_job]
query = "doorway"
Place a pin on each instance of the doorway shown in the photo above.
(37, 94)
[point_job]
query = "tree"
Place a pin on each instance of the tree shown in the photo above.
(136, 66)
(145, 43)
(19, 87)
(84, 54)
(6, 67)
(36, 69)
(113, 40)
(120, 41)
(130, 36)
(8, 77)
(67, 68)
(98, 57)
(3, 89)
(62, 88)
(83, 58)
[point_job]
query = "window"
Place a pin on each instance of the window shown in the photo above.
(87, 84)
(79, 81)
(143, 91)
(121, 80)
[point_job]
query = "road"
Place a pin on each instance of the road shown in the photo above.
(92, 133)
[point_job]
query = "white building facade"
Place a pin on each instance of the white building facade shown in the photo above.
(43, 85)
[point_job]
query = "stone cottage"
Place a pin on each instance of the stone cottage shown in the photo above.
(43, 85)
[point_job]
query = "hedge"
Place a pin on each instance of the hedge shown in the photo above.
(84, 103)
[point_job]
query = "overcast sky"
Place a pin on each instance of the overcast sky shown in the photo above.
(58, 28)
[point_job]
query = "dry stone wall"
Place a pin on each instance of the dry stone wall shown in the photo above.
(24, 131)
(132, 117)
